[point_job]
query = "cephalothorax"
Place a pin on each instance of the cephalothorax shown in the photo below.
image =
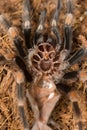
(47, 59)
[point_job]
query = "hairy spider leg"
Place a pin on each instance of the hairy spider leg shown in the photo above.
(38, 37)
(19, 77)
(74, 97)
(13, 34)
(67, 27)
(26, 23)
(70, 61)
(68, 40)
(77, 56)
(68, 37)
(54, 21)
(67, 32)
(70, 75)
(23, 67)
(19, 46)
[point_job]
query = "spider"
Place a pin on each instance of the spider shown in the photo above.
(47, 60)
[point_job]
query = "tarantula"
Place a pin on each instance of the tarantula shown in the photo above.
(47, 61)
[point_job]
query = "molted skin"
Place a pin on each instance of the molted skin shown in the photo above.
(43, 96)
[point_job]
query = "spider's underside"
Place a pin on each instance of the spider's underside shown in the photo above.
(47, 60)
